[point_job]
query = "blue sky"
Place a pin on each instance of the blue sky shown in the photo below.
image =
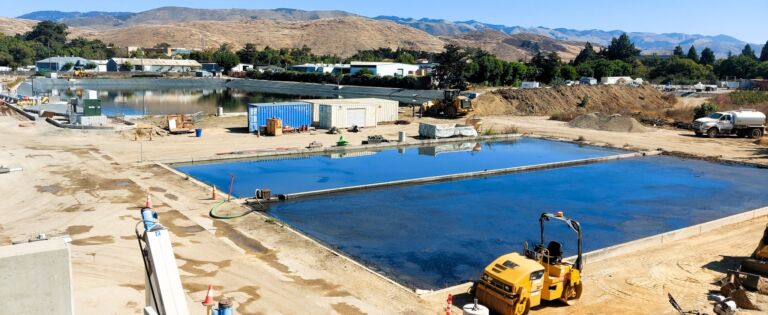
(743, 19)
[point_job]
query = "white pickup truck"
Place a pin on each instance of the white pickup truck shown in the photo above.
(743, 123)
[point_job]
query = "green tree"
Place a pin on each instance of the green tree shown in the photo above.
(405, 57)
(248, 53)
(707, 57)
(225, 58)
(50, 34)
(747, 51)
(450, 71)
(764, 52)
(693, 54)
(568, 72)
(586, 54)
(678, 51)
(622, 49)
(704, 110)
(737, 66)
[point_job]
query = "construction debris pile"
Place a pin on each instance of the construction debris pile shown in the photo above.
(600, 121)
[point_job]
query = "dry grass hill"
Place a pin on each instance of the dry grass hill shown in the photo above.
(515, 47)
(343, 36)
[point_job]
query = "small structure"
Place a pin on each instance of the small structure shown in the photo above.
(292, 114)
(101, 65)
(203, 74)
(61, 64)
(152, 65)
(530, 85)
(616, 80)
(588, 81)
(384, 68)
(386, 110)
(760, 84)
(243, 67)
(268, 69)
(347, 115)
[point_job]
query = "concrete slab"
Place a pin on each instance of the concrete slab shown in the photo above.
(36, 277)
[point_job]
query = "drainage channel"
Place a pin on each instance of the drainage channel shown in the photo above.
(440, 178)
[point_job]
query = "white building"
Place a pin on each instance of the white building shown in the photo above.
(243, 67)
(616, 80)
(152, 65)
(384, 68)
(101, 65)
(320, 68)
(530, 85)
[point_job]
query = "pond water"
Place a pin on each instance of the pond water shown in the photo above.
(286, 175)
(435, 235)
(173, 101)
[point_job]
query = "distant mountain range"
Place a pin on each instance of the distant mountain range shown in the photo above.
(458, 31)
(648, 42)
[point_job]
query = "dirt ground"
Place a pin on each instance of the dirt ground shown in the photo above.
(91, 184)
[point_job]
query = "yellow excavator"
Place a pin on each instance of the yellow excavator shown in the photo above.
(452, 105)
(514, 283)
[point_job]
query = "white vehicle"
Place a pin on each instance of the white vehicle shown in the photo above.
(743, 122)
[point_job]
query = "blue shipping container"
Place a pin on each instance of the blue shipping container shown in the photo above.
(294, 114)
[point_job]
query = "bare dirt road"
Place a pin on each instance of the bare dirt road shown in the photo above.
(90, 185)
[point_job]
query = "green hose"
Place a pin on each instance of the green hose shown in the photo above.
(213, 214)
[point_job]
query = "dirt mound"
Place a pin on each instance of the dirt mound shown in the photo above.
(600, 121)
(611, 99)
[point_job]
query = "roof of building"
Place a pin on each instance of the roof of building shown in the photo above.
(378, 63)
(158, 62)
(63, 60)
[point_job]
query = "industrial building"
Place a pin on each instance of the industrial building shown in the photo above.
(320, 68)
(383, 69)
(152, 65)
(60, 64)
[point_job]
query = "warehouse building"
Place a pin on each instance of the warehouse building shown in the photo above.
(152, 65)
(384, 68)
(61, 64)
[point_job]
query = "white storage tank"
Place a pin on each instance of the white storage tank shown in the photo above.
(386, 110)
(346, 116)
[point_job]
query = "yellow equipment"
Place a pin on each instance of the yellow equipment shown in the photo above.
(758, 262)
(514, 283)
(452, 105)
(80, 73)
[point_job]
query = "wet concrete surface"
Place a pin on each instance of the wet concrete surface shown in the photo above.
(436, 235)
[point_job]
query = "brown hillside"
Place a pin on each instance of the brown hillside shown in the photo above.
(11, 26)
(564, 99)
(342, 36)
(517, 46)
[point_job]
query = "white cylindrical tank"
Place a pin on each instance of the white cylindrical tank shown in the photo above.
(475, 309)
(748, 118)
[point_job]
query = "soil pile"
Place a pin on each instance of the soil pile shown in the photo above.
(600, 121)
(612, 99)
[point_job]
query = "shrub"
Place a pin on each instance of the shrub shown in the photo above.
(704, 110)
(584, 102)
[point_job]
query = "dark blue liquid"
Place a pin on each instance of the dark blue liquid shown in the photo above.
(435, 235)
(292, 175)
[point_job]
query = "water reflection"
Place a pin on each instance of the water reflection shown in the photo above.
(173, 101)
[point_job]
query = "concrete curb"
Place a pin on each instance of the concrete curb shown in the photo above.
(21, 111)
(433, 179)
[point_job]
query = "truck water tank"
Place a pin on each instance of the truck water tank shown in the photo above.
(748, 118)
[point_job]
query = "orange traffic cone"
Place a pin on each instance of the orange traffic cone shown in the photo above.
(209, 297)
(148, 204)
(449, 308)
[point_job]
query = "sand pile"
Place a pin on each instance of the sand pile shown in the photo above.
(600, 121)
